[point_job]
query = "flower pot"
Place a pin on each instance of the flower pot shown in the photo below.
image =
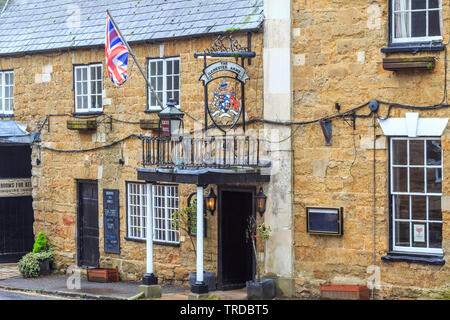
(44, 267)
(103, 274)
(263, 289)
(208, 277)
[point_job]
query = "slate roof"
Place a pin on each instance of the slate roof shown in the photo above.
(41, 25)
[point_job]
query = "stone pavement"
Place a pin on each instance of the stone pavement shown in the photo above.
(8, 270)
(63, 285)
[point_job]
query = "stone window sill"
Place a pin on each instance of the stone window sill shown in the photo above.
(154, 242)
(435, 259)
(413, 47)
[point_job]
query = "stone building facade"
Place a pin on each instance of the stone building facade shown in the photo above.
(338, 48)
(315, 60)
(45, 97)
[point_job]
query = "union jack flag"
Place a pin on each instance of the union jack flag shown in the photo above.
(116, 54)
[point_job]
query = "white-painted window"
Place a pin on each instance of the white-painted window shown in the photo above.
(163, 201)
(416, 20)
(164, 76)
(88, 85)
(416, 192)
(137, 198)
(6, 92)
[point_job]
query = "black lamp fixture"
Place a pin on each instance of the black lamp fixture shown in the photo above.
(171, 120)
(261, 200)
(211, 200)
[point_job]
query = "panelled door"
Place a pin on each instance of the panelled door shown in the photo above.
(88, 229)
(16, 210)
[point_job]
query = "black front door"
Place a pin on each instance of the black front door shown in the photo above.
(236, 258)
(88, 243)
(16, 210)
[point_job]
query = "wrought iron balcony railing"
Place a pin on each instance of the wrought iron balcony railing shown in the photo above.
(214, 152)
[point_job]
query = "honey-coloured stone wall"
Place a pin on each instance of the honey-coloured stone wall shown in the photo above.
(44, 86)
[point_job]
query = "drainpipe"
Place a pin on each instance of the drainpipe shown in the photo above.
(199, 287)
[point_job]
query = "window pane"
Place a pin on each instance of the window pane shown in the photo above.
(176, 82)
(416, 152)
(434, 152)
(416, 180)
(402, 234)
(78, 74)
(402, 23)
(435, 235)
(84, 74)
(401, 5)
(419, 207)
(176, 66)
(434, 23)
(434, 209)
(399, 152)
(176, 97)
(152, 68)
(400, 179)
(401, 207)
(418, 21)
(160, 68)
(169, 67)
(169, 83)
(99, 72)
(160, 83)
(419, 235)
(434, 180)
(418, 4)
(433, 4)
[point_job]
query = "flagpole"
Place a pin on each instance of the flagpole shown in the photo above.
(135, 60)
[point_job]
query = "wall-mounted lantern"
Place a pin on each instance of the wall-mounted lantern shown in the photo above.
(171, 120)
(211, 201)
(261, 200)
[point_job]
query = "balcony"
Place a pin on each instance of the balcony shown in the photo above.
(205, 160)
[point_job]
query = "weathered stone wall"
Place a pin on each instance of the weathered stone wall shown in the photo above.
(337, 58)
(44, 85)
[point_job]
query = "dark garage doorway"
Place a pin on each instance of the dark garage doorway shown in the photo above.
(87, 224)
(236, 263)
(16, 209)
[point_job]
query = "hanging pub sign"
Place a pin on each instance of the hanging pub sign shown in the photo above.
(15, 187)
(224, 83)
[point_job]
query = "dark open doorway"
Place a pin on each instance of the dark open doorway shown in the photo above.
(16, 209)
(236, 260)
(88, 231)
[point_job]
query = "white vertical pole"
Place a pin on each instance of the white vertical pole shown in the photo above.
(199, 234)
(149, 230)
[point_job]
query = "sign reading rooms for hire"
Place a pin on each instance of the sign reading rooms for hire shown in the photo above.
(15, 187)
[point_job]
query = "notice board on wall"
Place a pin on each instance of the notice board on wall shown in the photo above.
(111, 221)
(327, 221)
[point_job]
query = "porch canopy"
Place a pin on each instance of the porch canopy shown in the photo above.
(13, 132)
(203, 176)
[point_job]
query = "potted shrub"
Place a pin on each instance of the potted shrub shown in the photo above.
(259, 288)
(185, 219)
(38, 262)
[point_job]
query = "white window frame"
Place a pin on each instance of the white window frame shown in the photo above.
(393, 194)
(3, 88)
(415, 39)
(164, 92)
(90, 107)
(138, 196)
(162, 215)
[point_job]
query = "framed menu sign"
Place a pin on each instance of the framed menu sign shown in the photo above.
(327, 221)
(111, 221)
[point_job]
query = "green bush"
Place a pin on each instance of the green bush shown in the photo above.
(29, 265)
(41, 243)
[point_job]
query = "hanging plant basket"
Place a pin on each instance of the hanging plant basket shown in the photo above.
(396, 64)
(82, 125)
(152, 124)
